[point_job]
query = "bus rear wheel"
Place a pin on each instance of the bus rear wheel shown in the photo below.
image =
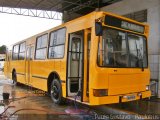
(56, 92)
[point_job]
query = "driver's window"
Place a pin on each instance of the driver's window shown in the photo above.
(113, 49)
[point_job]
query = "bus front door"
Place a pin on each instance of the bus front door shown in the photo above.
(75, 64)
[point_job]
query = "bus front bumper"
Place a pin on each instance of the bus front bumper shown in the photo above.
(119, 98)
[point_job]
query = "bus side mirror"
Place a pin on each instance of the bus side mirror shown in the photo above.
(98, 28)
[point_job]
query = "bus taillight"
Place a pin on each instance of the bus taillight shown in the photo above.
(100, 92)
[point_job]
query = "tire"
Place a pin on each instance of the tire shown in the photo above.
(56, 92)
(14, 78)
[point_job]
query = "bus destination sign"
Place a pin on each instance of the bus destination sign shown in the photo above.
(116, 22)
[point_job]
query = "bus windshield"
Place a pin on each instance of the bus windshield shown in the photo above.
(122, 49)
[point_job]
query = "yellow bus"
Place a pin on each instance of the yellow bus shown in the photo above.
(100, 57)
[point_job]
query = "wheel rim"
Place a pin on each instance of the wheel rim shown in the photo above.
(55, 91)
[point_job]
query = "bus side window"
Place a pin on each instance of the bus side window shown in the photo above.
(57, 44)
(41, 47)
(15, 52)
(22, 51)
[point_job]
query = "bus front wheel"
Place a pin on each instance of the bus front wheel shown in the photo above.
(56, 92)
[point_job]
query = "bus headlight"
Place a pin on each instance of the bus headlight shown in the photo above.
(100, 92)
(147, 87)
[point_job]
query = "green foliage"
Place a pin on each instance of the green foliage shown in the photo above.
(3, 49)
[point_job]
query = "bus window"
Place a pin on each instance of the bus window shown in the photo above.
(114, 49)
(15, 52)
(57, 42)
(41, 47)
(115, 52)
(76, 48)
(22, 51)
(138, 50)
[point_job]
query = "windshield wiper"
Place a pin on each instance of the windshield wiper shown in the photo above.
(139, 56)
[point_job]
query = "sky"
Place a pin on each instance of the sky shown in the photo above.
(14, 28)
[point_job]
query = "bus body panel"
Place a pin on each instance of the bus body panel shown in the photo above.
(19, 66)
(129, 82)
(123, 81)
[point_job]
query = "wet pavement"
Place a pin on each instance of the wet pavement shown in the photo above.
(26, 103)
(146, 106)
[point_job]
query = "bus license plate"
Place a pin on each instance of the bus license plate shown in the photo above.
(131, 97)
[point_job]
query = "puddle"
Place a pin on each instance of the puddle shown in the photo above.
(28, 103)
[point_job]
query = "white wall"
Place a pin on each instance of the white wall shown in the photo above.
(153, 19)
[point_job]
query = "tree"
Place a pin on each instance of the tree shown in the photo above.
(3, 49)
